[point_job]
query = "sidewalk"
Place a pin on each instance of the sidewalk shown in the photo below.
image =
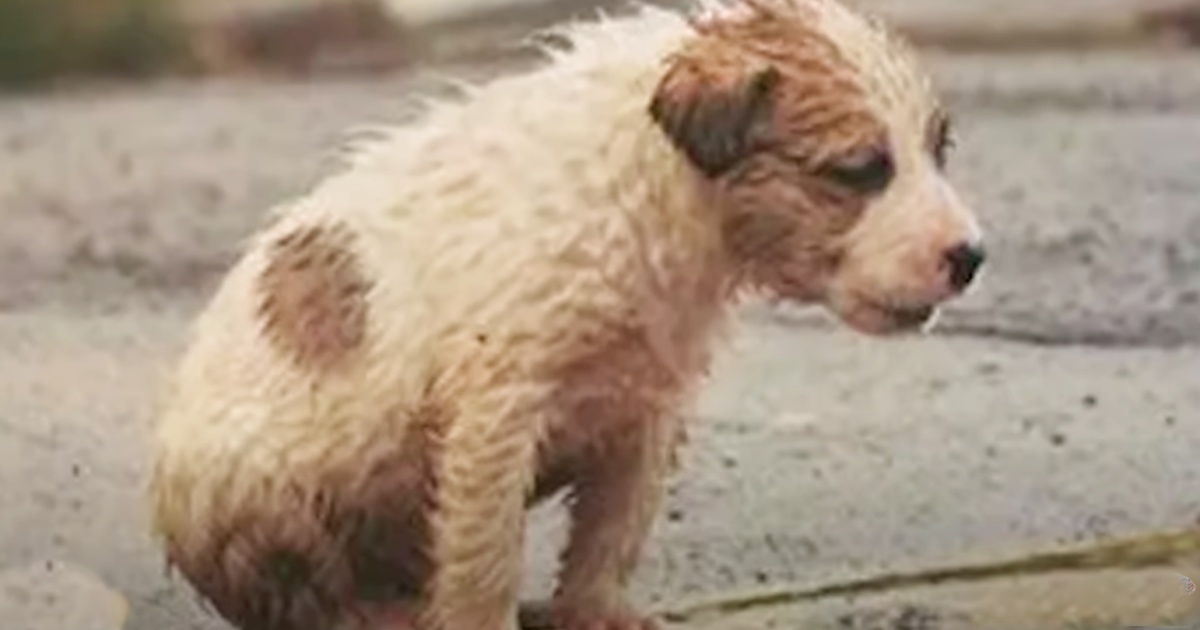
(1055, 409)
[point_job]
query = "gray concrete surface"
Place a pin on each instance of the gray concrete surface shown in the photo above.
(1058, 403)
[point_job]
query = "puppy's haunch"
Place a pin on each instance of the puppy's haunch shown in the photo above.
(519, 295)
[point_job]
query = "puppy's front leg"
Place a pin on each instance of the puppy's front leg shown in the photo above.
(483, 474)
(616, 499)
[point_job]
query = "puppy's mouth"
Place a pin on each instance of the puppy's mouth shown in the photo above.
(908, 318)
(880, 318)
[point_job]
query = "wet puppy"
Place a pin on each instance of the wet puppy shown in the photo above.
(519, 294)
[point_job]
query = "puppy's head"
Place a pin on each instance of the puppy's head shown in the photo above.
(826, 150)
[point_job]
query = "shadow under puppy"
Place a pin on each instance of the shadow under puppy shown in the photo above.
(520, 293)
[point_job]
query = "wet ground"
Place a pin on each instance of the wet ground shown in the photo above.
(1055, 406)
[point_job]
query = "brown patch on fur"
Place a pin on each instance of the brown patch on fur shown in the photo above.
(309, 553)
(787, 212)
(745, 84)
(712, 118)
(271, 565)
(784, 230)
(314, 303)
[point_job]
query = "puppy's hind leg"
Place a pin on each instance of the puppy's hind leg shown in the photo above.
(615, 500)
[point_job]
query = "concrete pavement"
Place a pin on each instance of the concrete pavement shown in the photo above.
(1057, 407)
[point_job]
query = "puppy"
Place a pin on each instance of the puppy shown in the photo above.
(519, 295)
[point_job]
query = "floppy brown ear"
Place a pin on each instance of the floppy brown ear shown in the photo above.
(712, 119)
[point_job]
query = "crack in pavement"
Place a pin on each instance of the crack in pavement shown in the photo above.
(1101, 339)
(1134, 552)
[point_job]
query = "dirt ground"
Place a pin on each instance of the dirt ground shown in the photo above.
(1056, 404)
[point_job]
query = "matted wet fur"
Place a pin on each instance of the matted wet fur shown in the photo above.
(520, 293)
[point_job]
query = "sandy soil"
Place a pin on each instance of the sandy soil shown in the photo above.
(1057, 403)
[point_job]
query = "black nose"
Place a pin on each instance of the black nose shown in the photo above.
(964, 261)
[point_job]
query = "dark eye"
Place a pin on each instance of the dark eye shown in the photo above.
(864, 172)
(943, 142)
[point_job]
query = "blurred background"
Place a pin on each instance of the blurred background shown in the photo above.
(46, 41)
(141, 141)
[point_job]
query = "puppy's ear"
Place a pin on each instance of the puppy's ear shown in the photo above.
(712, 119)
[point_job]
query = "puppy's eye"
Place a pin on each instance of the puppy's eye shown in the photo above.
(864, 172)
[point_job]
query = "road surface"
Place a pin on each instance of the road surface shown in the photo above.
(1057, 404)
